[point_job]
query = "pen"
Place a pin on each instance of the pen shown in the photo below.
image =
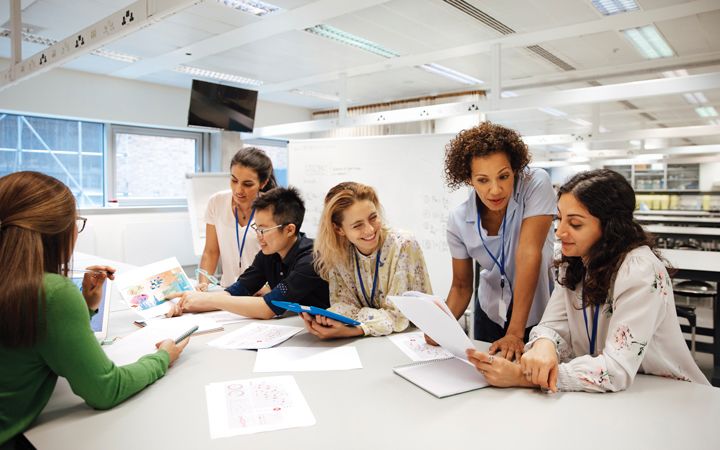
(186, 334)
(106, 272)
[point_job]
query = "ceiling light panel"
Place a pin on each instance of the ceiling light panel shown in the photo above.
(346, 38)
(450, 73)
(254, 7)
(222, 76)
(649, 42)
(610, 7)
(706, 111)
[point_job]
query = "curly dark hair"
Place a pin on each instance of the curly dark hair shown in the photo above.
(482, 140)
(608, 196)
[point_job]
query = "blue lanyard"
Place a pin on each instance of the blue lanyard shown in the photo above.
(499, 260)
(596, 315)
(241, 247)
(371, 302)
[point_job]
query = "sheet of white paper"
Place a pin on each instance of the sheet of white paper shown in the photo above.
(186, 321)
(306, 359)
(225, 317)
(255, 336)
(254, 405)
(141, 342)
(415, 347)
(430, 317)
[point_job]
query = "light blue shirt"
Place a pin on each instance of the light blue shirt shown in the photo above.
(533, 195)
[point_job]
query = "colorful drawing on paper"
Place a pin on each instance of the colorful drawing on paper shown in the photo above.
(149, 286)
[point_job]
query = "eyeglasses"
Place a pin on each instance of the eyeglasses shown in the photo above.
(262, 231)
(80, 222)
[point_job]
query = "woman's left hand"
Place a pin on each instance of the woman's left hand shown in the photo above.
(92, 284)
(509, 347)
(497, 371)
(326, 328)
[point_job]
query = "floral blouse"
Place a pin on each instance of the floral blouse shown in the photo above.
(402, 268)
(638, 331)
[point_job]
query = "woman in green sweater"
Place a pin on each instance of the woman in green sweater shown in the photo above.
(46, 336)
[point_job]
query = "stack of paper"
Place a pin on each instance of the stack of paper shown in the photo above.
(255, 336)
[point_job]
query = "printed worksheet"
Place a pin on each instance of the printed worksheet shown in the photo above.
(306, 359)
(415, 347)
(254, 405)
(255, 336)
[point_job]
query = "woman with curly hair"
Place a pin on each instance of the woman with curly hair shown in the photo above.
(504, 226)
(613, 313)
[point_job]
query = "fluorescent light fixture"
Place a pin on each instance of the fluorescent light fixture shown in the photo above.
(321, 95)
(695, 98)
(254, 7)
(706, 111)
(117, 56)
(610, 7)
(581, 122)
(196, 71)
(343, 37)
(649, 42)
(675, 73)
(553, 112)
(602, 129)
(508, 94)
(714, 122)
(450, 73)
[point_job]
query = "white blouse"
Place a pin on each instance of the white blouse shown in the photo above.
(638, 331)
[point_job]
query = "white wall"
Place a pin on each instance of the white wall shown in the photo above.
(709, 174)
(138, 237)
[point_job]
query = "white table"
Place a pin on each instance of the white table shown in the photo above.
(371, 408)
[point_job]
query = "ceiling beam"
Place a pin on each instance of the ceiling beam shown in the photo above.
(608, 23)
(582, 96)
(297, 19)
(625, 70)
(121, 23)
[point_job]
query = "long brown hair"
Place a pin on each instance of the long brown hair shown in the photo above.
(608, 196)
(37, 235)
(330, 249)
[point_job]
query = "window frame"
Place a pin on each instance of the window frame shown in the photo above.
(111, 130)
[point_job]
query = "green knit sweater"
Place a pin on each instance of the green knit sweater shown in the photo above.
(68, 349)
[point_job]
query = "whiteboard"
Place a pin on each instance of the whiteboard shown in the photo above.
(407, 173)
(200, 187)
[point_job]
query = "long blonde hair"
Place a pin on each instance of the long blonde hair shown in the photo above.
(332, 250)
(37, 235)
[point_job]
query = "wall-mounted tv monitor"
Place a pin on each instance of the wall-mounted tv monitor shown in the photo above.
(219, 106)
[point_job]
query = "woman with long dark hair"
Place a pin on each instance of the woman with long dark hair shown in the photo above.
(230, 214)
(44, 318)
(613, 313)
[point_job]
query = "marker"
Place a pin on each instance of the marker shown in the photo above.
(186, 334)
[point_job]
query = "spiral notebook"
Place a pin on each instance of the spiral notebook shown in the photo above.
(442, 377)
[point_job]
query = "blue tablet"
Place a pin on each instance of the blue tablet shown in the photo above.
(315, 311)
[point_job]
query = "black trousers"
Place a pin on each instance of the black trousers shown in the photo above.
(487, 330)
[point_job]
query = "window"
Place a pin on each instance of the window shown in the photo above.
(150, 164)
(69, 150)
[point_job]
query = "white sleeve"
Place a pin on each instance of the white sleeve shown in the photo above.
(211, 210)
(539, 196)
(554, 325)
(641, 292)
(457, 247)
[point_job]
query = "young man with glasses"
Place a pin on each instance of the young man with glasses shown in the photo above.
(285, 262)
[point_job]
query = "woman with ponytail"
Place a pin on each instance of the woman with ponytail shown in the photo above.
(613, 314)
(45, 320)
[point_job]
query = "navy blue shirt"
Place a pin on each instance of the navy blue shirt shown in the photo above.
(292, 279)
